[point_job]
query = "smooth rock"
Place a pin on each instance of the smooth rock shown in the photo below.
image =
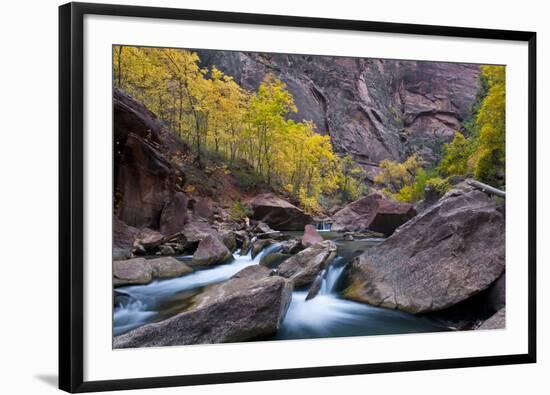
(259, 245)
(274, 259)
(168, 267)
(303, 267)
(249, 306)
(210, 251)
(278, 213)
(443, 256)
(132, 271)
(373, 212)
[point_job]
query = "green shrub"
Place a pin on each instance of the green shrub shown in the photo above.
(239, 211)
(438, 184)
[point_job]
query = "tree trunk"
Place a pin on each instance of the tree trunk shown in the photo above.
(486, 188)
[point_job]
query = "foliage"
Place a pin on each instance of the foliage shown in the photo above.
(489, 158)
(394, 175)
(220, 119)
(352, 180)
(438, 184)
(239, 211)
(482, 154)
(456, 156)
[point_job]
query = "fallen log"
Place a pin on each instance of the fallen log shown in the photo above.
(486, 188)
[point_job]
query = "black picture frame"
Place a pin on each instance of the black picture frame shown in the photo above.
(71, 204)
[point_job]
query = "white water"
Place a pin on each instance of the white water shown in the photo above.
(323, 226)
(140, 303)
(326, 315)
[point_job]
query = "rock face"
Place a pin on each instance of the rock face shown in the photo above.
(144, 177)
(278, 213)
(302, 268)
(373, 212)
(443, 256)
(374, 109)
(142, 271)
(311, 236)
(251, 305)
(174, 214)
(211, 251)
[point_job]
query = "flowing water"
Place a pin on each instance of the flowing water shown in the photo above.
(326, 315)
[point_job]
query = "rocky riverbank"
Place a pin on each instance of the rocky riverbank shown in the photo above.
(442, 259)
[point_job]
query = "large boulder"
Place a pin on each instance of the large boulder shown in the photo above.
(373, 212)
(123, 239)
(132, 271)
(311, 236)
(278, 213)
(302, 268)
(443, 256)
(249, 306)
(211, 251)
(174, 214)
(145, 178)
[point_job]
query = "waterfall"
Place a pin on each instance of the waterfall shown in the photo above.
(323, 226)
(331, 276)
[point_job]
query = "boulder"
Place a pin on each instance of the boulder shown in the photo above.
(274, 259)
(373, 212)
(292, 246)
(132, 271)
(211, 251)
(316, 286)
(174, 214)
(496, 321)
(311, 236)
(148, 239)
(245, 246)
(259, 245)
(203, 208)
(228, 239)
(278, 213)
(303, 267)
(196, 230)
(249, 306)
(253, 273)
(123, 239)
(168, 267)
(443, 256)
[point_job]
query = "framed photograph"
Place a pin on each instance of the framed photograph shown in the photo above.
(259, 197)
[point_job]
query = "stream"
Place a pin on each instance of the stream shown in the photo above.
(326, 315)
